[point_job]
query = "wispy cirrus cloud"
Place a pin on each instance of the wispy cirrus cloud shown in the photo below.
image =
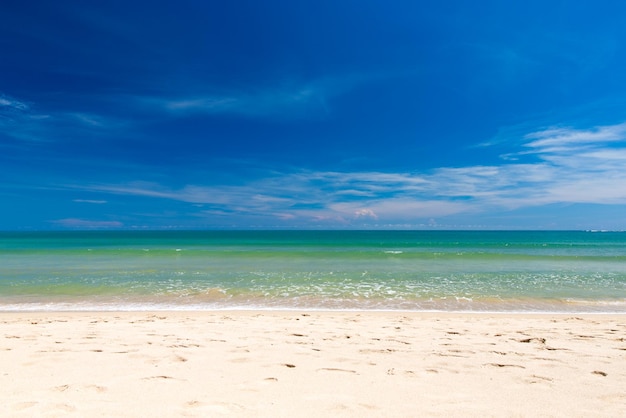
(281, 98)
(122, 112)
(555, 140)
(92, 201)
(262, 103)
(87, 224)
(18, 120)
(567, 173)
(9, 104)
(28, 122)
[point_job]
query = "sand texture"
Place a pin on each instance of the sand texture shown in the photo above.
(286, 364)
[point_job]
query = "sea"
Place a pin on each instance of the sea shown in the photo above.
(456, 271)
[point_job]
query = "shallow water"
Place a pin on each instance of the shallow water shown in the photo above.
(405, 270)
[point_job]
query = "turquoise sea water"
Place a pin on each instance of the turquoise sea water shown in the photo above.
(390, 270)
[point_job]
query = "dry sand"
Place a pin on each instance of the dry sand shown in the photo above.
(286, 364)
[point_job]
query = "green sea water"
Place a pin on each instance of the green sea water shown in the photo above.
(547, 271)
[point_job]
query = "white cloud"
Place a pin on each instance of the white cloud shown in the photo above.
(28, 123)
(553, 138)
(563, 174)
(9, 103)
(199, 104)
(271, 102)
(87, 224)
(606, 156)
(88, 119)
(365, 213)
(95, 202)
(399, 208)
(278, 99)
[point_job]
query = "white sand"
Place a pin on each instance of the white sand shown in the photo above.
(285, 364)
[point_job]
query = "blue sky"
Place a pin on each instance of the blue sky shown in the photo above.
(320, 114)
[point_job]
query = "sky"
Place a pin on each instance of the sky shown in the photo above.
(326, 114)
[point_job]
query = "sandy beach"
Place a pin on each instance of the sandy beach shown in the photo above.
(279, 363)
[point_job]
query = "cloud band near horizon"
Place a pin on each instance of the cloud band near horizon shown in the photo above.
(565, 166)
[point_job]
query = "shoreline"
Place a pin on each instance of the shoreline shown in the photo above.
(256, 310)
(312, 363)
(492, 306)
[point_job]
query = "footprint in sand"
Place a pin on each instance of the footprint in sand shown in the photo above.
(210, 409)
(505, 365)
(539, 379)
(160, 377)
(97, 388)
(332, 369)
(535, 339)
(23, 405)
